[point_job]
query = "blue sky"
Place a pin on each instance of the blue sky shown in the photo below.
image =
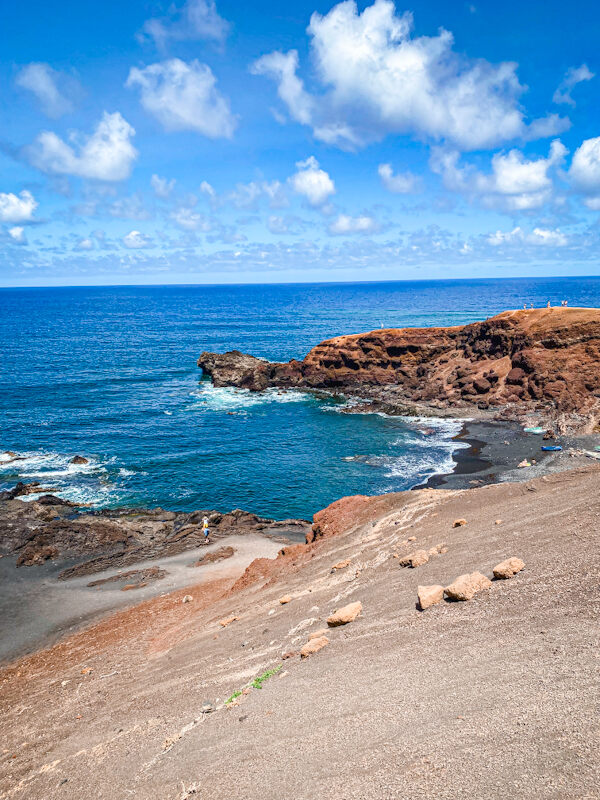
(148, 142)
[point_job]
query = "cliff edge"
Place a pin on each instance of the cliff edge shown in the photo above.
(518, 362)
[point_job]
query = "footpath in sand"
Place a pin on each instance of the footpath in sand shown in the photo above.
(491, 698)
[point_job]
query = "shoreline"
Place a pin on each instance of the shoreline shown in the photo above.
(496, 448)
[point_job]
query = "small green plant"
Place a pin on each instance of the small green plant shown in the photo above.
(256, 683)
(232, 697)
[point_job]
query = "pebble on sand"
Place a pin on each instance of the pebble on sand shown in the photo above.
(508, 568)
(345, 615)
(466, 586)
(313, 646)
(430, 596)
(416, 559)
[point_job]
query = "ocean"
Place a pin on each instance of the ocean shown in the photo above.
(110, 373)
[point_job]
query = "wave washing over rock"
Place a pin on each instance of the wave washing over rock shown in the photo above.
(518, 362)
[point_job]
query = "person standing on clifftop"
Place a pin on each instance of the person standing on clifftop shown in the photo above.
(206, 530)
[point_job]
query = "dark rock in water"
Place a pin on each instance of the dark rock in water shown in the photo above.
(52, 528)
(79, 460)
(518, 360)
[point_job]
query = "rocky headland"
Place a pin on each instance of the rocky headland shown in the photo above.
(516, 365)
(51, 528)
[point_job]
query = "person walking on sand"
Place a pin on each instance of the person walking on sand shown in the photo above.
(205, 530)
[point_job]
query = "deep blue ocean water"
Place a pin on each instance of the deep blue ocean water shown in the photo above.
(110, 373)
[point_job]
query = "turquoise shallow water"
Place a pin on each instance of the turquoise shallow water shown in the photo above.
(110, 373)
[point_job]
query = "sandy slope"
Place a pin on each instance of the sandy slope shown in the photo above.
(493, 698)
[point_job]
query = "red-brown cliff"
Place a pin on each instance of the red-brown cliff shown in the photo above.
(544, 360)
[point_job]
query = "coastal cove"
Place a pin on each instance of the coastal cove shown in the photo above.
(110, 374)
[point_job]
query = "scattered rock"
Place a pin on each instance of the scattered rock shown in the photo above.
(509, 568)
(466, 586)
(79, 460)
(416, 559)
(412, 539)
(313, 646)
(187, 598)
(225, 622)
(219, 554)
(289, 654)
(207, 707)
(317, 634)
(498, 522)
(32, 555)
(129, 586)
(341, 564)
(142, 577)
(438, 549)
(344, 615)
(287, 598)
(430, 596)
(458, 523)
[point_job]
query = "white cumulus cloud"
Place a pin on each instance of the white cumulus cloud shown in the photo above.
(162, 186)
(344, 225)
(17, 234)
(400, 183)
(194, 20)
(17, 208)
(573, 76)
(539, 236)
(84, 244)
(106, 155)
(190, 220)
(184, 96)
(54, 90)
(374, 78)
(584, 172)
(282, 67)
(312, 182)
(135, 240)
(516, 183)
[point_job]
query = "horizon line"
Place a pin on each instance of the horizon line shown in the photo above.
(296, 283)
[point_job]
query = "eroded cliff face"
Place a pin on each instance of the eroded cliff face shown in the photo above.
(544, 359)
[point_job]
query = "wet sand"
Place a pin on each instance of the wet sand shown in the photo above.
(497, 448)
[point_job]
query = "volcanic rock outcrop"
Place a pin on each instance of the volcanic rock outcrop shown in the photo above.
(543, 360)
(54, 529)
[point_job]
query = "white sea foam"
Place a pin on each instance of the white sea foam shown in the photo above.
(211, 398)
(81, 483)
(426, 446)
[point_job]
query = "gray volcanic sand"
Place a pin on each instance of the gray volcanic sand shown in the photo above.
(496, 449)
(493, 698)
(36, 608)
